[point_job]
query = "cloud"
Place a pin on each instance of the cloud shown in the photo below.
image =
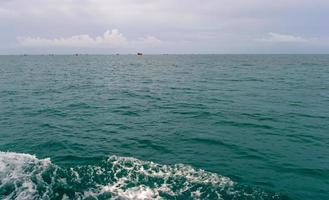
(110, 39)
(149, 40)
(223, 26)
(284, 38)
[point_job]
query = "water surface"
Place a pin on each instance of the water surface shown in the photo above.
(243, 126)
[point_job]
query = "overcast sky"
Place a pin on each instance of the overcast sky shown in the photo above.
(164, 26)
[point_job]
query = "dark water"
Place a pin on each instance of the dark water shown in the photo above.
(243, 127)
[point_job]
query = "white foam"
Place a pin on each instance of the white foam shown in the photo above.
(16, 170)
(116, 177)
(140, 192)
(134, 167)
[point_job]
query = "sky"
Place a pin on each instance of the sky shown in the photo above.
(164, 26)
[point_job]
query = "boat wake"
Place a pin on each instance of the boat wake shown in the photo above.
(23, 176)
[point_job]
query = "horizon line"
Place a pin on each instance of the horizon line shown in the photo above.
(146, 54)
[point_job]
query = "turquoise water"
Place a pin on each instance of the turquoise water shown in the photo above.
(164, 126)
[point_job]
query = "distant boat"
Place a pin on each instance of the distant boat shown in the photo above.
(139, 54)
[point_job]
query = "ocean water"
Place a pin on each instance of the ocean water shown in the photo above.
(164, 127)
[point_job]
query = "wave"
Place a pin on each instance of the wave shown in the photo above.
(24, 176)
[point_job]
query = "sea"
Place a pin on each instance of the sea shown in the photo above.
(230, 127)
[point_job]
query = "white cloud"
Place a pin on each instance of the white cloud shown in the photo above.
(189, 25)
(284, 38)
(110, 39)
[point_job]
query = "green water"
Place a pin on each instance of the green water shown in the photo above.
(164, 126)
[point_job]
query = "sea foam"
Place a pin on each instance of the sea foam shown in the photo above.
(23, 176)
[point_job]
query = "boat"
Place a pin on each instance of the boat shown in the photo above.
(139, 54)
